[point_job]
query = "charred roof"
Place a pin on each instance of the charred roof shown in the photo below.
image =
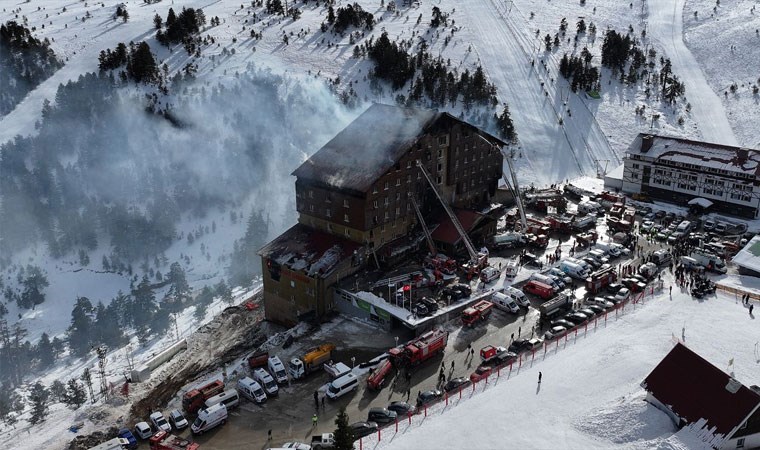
(370, 145)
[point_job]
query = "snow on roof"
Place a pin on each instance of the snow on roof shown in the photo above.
(749, 256)
(312, 251)
(699, 154)
(703, 202)
(695, 389)
(370, 145)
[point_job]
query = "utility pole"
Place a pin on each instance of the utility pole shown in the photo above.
(102, 351)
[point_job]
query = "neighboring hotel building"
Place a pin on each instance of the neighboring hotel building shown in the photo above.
(355, 200)
(678, 170)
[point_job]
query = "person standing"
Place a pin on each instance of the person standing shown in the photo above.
(316, 399)
(314, 420)
(539, 377)
(751, 307)
(323, 402)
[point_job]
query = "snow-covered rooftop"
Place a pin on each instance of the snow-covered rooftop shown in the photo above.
(749, 256)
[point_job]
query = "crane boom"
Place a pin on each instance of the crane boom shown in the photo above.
(428, 237)
(452, 216)
(516, 190)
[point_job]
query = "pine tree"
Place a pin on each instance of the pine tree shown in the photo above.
(34, 284)
(143, 305)
(75, 394)
(344, 436)
(10, 404)
(224, 292)
(171, 18)
(38, 397)
(45, 351)
(157, 22)
(179, 290)
(87, 380)
(58, 392)
(80, 331)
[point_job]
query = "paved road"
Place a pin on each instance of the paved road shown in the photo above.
(666, 27)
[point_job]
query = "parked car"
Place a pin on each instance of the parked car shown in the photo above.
(503, 358)
(518, 345)
(563, 323)
(402, 408)
(576, 318)
(456, 383)
(420, 310)
(650, 216)
(428, 397)
(555, 332)
(178, 420)
(381, 416)
(622, 294)
(612, 299)
(362, 429)
(660, 214)
(159, 421)
(600, 302)
(590, 313)
(481, 373)
(596, 308)
(143, 430)
(431, 304)
(709, 225)
(591, 262)
(647, 225)
(530, 260)
(124, 433)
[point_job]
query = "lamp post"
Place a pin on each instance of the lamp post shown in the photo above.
(353, 362)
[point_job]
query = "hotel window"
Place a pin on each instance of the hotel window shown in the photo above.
(329, 226)
(328, 213)
(374, 204)
(409, 164)
(398, 196)
(438, 179)
(374, 189)
(386, 186)
(440, 152)
(398, 181)
(345, 203)
(311, 194)
(742, 192)
(386, 216)
(385, 202)
(398, 211)
(328, 198)
(408, 178)
(347, 232)
(345, 218)
(713, 187)
(311, 208)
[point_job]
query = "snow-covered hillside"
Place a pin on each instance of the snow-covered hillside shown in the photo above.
(589, 396)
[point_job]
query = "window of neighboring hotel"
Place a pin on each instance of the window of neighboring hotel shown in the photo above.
(408, 178)
(329, 226)
(374, 189)
(385, 201)
(740, 443)
(398, 196)
(438, 179)
(386, 215)
(398, 211)
(328, 198)
(742, 192)
(382, 228)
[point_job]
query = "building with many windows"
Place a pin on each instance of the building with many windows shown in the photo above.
(358, 197)
(679, 170)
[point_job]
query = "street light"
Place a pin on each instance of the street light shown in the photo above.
(353, 362)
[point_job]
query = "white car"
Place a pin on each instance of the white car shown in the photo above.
(622, 294)
(160, 422)
(555, 332)
(178, 420)
(143, 431)
(296, 445)
(625, 251)
(647, 225)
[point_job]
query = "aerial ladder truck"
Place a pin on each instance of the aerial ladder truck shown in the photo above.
(477, 260)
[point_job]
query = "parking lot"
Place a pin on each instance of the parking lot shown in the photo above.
(289, 416)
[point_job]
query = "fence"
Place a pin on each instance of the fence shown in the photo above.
(735, 291)
(504, 371)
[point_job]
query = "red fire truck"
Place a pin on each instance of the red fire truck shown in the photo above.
(165, 441)
(376, 379)
(600, 280)
(479, 311)
(420, 349)
(194, 399)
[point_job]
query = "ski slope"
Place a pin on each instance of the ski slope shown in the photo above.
(666, 28)
(590, 396)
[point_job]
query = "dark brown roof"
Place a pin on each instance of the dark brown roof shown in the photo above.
(370, 145)
(695, 389)
(447, 233)
(312, 252)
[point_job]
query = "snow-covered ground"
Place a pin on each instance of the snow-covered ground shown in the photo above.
(590, 396)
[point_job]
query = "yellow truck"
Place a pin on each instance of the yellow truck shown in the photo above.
(312, 360)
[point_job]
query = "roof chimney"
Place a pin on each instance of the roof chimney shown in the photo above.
(741, 155)
(646, 142)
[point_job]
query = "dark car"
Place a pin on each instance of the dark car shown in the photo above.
(591, 262)
(131, 439)
(614, 287)
(362, 429)
(519, 345)
(464, 288)
(563, 323)
(640, 278)
(596, 308)
(577, 318)
(531, 260)
(660, 214)
(503, 358)
(431, 304)
(428, 397)
(381, 416)
(587, 311)
(420, 309)
(456, 383)
(402, 408)
(612, 298)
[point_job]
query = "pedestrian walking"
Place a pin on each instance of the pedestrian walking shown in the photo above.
(269, 435)
(751, 307)
(519, 331)
(472, 353)
(316, 399)
(408, 393)
(323, 402)
(539, 377)
(314, 420)
(671, 291)
(452, 365)
(512, 338)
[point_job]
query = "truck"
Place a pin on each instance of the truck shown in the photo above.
(324, 440)
(420, 349)
(561, 224)
(607, 199)
(489, 352)
(582, 223)
(555, 307)
(537, 241)
(194, 399)
(618, 224)
(586, 239)
(479, 311)
(537, 226)
(600, 280)
(260, 359)
(378, 376)
(336, 370)
(509, 240)
(165, 441)
(112, 444)
(710, 262)
(312, 360)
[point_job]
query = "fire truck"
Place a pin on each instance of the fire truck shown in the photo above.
(165, 441)
(194, 399)
(377, 378)
(561, 224)
(479, 311)
(600, 280)
(537, 226)
(420, 349)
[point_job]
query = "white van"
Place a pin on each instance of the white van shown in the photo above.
(489, 274)
(251, 390)
(684, 226)
(277, 369)
(266, 381)
(608, 249)
(228, 398)
(574, 270)
(342, 385)
(588, 207)
(209, 418)
(505, 302)
(517, 295)
(599, 255)
(116, 443)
